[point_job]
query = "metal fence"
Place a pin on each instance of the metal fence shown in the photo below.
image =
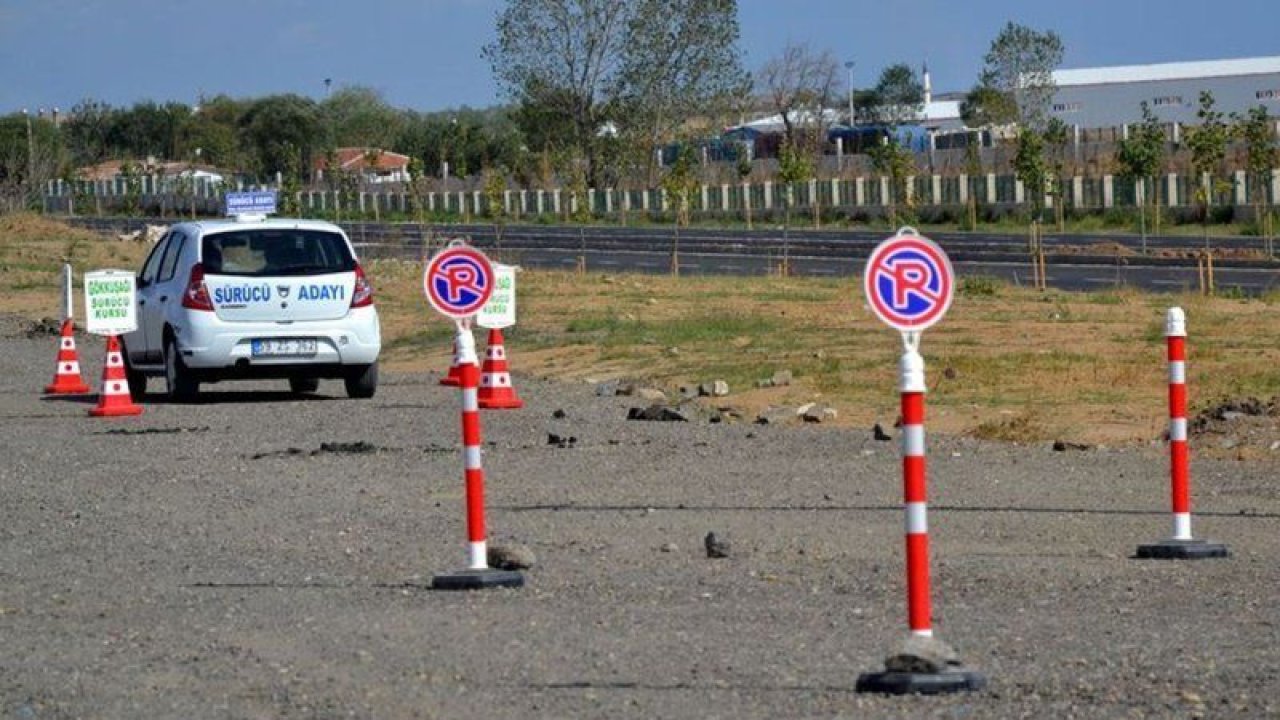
(868, 195)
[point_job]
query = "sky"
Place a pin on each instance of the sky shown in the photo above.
(425, 54)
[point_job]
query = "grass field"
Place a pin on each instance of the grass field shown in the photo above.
(1007, 363)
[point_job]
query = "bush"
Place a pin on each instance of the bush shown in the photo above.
(980, 286)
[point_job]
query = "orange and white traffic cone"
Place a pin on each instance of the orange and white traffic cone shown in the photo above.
(66, 378)
(496, 391)
(114, 399)
(454, 378)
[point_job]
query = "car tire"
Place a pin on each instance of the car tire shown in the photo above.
(136, 378)
(181, 386)
(303, 385)
(362, 382)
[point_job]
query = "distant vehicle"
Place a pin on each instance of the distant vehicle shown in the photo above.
(254, 298)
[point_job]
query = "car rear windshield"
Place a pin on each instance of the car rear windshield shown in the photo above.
(270, 251)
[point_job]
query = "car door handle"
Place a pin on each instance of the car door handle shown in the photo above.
(164, 298)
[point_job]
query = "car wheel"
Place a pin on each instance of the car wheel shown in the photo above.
(181, 386)
(136, 379)
(362, 382)
(303, 385)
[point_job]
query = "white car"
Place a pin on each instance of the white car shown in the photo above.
(253, 298)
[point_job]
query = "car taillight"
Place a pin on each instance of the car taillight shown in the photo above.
(362, 296)
(196, 296)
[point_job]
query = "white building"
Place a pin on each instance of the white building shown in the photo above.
(1111, 96)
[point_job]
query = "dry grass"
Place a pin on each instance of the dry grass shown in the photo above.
(33, 250)
(1013, 365)
(1007, 363)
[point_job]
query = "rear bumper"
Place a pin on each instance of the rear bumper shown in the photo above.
(211, 347)
(250, 371)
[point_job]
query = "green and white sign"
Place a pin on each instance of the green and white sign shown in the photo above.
(109, 304)
(500, 311)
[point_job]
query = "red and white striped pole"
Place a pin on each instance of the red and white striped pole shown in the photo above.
(1182, 545)
(914, 494)
(908, 281)
(1175, 331)
(467, 363)
(478, 573)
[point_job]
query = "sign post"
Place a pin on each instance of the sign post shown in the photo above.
(458, 281)
(68, 281)
(110, 309)
(909, 283)
(66, 373)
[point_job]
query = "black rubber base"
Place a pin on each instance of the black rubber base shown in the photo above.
(1182, 550)
(906, 683)
(477, 580)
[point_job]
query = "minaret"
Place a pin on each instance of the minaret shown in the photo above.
(928, 87)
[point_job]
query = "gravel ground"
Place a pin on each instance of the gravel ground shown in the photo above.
(212, 561)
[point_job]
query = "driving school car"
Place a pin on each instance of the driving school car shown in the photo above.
(253, 298)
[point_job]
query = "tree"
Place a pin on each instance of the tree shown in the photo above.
(898, 97)
(897, 162)
(1208, 144)
(973, 169)
(1256, 131)
(87, 130)
(562, 58)
(495, 195)
(680, 182)
(147, 130)
(214, 130)
(682, 61)
(1055, 140)
(31, 154)
(799, 85)
(586, 72)
(1140, 157)
(987, 107)
(359, 117)
(284, 134)
(1017, 75)
(1030, 167)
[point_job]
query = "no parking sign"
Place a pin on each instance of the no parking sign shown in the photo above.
(458, 281)
(908, 281)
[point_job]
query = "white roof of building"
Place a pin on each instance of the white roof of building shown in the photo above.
(1166, 71)
(774, 123)
(941, 110)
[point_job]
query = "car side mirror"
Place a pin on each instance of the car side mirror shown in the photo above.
(141, 283)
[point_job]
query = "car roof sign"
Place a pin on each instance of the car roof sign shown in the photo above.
(249, 206)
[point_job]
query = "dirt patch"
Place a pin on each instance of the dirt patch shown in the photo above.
(1241, 428)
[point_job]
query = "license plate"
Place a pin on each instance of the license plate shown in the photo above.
(270, 347)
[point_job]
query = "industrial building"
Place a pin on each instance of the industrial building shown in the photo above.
(1111, 96)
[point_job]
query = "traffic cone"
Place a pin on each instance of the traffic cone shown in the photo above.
(66, 378)
(114, 399)
(454, 378)
(496, 392)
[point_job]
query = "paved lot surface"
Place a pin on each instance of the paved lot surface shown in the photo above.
(211, 561)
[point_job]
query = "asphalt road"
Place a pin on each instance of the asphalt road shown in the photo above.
(1061, 275)
(216, 561)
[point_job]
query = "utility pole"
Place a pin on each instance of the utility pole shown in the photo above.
(31, 159)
